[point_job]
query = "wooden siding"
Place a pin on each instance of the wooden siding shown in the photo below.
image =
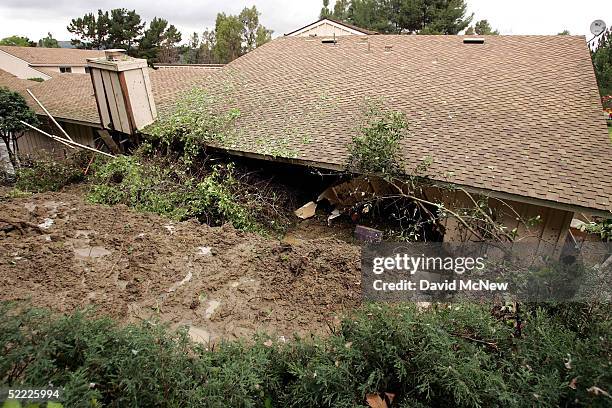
(34, 144)
(547, 234)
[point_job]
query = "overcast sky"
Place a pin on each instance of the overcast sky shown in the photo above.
(34, 18)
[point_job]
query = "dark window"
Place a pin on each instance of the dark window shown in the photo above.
(87, 70)
(65, 70)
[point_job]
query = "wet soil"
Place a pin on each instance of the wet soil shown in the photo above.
(60, 252)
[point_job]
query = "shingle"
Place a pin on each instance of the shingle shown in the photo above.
(52, 56)
(71, 96)
(526, 105)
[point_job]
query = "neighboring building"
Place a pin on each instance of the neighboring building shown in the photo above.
(38, 62)
(327, 27)
(211, 67)
(474, 109)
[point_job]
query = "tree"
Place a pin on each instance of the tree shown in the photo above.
(118, 28)
(481, 27)
(253, 33)
(13, 109)
(228, 35)
(48, 42)
(158, 44)
(150, 43)
(18, 41)
(207, 46)
(191, 52)
(170, 40)
(91, 30)
(262, 36)
(341, 10)
(602, 62)
(405, 16)
(564, 32)
(237, 35)
(125, 28)
(325, 11)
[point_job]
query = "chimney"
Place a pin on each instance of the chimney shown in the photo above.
(123, 91)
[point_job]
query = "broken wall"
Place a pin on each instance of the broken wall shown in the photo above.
(34, 144)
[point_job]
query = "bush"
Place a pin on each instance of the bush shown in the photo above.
(48, 174)
(377, 149)
(459, 356)
(169, 189)
(195, 122)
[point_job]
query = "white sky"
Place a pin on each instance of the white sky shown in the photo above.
(34, 18)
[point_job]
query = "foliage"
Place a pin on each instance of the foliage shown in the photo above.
(404, 16)
(91, 31)
(18, 41)
(325, 11)
(119, 28)
(459, 356)
(481, 27)
(602, 62)
(233, 36)
(13, 110)
(36, 176)
(159, 41)
(376, 149)
(36, 79)
(602, 228)
(193, 124)
(199, 49)
(228, 36)
(172, 190)
(48, 42)
(125, 27)
(253, 33)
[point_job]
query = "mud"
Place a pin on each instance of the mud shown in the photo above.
(60, 252)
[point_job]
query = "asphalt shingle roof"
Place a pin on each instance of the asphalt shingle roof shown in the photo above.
(52, 56)
(517, 114)
(71, 96)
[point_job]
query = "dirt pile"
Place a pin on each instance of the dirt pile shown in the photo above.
(64, 253)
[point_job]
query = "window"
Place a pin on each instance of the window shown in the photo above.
(65, 70)
(87, 70)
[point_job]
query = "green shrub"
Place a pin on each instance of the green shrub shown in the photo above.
(195, 122)
(169, 189)
(377, 149)
(49, 174)
(459, 356)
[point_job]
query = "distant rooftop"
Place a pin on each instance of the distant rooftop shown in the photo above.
(357, 30)
(40, 57)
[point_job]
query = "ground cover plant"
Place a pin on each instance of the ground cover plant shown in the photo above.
(214, 193)
(49, 174)
(456, 356)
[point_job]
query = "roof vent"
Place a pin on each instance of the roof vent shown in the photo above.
(328, 41)
(388, 48)
(473, 40)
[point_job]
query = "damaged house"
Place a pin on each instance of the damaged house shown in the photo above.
(514, 119)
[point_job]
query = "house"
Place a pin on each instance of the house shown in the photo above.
(328, 27)
(474, 106)
(71, 100)
(38, 62)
